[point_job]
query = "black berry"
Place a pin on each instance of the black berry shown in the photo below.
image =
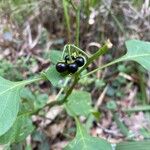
(61, 67)
(72, 68)
(80, 61)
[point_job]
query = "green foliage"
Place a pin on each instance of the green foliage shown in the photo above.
(18, 9)
(53, 76)
(9, 106)
(9, 102)
(111, 105)
(93, 3)
(79, 103)
(31, 101)
(138, 4)
(17, 103)
(8, 70)
(41, 138)
(55, 56)
(83, 141)
(19, 131)
(138, 51)
(139, 145)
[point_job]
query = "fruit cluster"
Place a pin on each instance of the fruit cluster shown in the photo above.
(70, 65)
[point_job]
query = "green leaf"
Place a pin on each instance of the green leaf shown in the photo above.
(138, 51)
(19, 131)
(111, 105)
(26, 94)
(53, 76)
(9, 102)
(83, 141)
(79, 103)
(55, 56)
(27, 101)
(41, 100)
(41, 138)
(139, 145)
(96, 114)
(31, 101)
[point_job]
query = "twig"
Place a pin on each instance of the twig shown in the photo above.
(76, 77)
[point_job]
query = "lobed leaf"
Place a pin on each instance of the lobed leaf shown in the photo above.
(138, 51)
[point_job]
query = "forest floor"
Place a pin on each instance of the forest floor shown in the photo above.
(26, 40)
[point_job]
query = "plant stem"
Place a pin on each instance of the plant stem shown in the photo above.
(80, 50)
(102, 67)
(67, 19)
(77, 10)
(142, 86)
(62, 89)
(100, 52)
(137, 109)
(77, 78)
(60, 102)
(78, 25)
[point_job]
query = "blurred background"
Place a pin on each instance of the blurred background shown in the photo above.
(30, 29)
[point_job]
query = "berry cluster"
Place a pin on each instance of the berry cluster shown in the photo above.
(70, 66)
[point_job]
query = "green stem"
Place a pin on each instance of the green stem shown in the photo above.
(64, 51)
(62, 89)
(78, 26)
(136, 109)
(67, 19)
(60, 102)
(76, 77)
(142, 86)
(104, 66)
(100, 52)
(80, 50)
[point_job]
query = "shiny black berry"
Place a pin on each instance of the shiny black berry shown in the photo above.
(61, 67)
(80, 61)
(73, 67)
